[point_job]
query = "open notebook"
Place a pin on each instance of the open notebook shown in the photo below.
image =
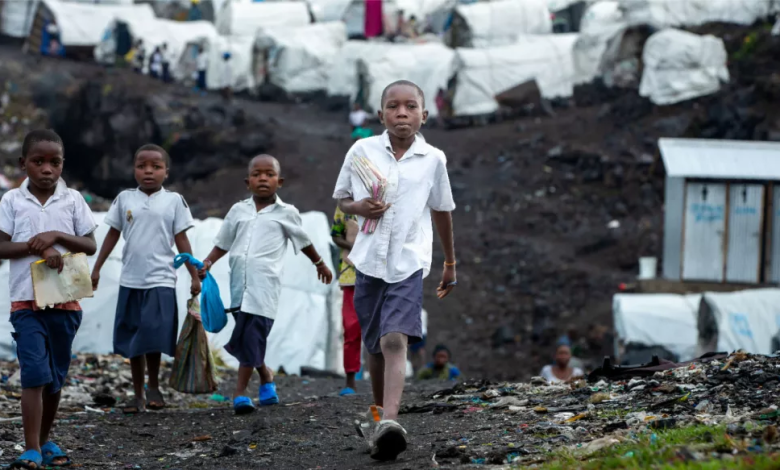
(73, 283)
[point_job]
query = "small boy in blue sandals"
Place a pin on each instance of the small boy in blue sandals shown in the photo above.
(256, 232)
(42, 219)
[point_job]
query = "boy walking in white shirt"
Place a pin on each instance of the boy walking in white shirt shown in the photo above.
(42, 220)
(392, 262)
(256, 232)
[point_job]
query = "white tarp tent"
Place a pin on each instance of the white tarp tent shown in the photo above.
(245, 71)
(82, 24)
(667, 320)
(499, 23)
(747, 320)
(329, 10)
(484, 73)
(677, 13)
(16, 16)
(301, 58)
(343, 76)
(178, 35)
(679, 65)
(246, 18)
(308, 323)
(601, 25)
(430, 66)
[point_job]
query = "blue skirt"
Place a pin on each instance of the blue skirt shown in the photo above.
(147, 321)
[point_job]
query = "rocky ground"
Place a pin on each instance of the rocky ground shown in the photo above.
(554, 208)
(715, 415)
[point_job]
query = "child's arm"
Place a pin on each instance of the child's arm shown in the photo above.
(216, 254)
(367, 208)
(323, 272)
(183, 245)
(109, 243)
(443, 222)
(45, 240)
(12, 250)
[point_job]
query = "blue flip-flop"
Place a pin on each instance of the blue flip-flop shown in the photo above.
(243, 405)
(28, 457)
(347, 391)
(52, 451)
(268, 395)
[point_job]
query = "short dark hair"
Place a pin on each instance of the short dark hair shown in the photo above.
(39, 135)
(402, 83)
(153, 148)
(439, 348)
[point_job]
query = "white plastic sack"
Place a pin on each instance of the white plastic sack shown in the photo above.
(502, 22)
(679, 66)
(484, 73)
(667, 320)
(747, 320)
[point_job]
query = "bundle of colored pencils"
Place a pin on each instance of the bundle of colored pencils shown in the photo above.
(375, 183)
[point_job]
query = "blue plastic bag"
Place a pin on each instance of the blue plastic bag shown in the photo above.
(212, 310)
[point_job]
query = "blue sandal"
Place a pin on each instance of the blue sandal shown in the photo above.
(268, 395)
(28, 457)
(347, 391)
(51, 452)
(243, 405)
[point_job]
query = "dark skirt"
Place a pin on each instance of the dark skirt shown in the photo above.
(147, 321)
(249, 339)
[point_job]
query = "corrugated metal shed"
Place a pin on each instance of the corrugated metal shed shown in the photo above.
(721, 159)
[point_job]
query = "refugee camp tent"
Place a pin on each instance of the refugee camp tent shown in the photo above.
(343, 76)
(178, 35)
(747, 320)
(675, 13)
(678, 66)
(499, 23)
(245, 19)
(16, 16)
(308, 309)
(484, 73)
(666, 320)
(247, 63)
(602, 24)
(300, 59)
(81, 26)
(329, 10)
(430, 66)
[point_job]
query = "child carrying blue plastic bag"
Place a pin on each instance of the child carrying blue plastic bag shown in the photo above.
(212, 310)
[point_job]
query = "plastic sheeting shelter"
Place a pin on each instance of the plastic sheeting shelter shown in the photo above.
(430, 66)
(484, 73)
(747, 320)
(306, 331)
(602, 24)
(246, 18)
(679, 66)
(300, 59)
(677, 13)
(490, 24)
(667, 320)
(178, 35)
(246, 65)
(343, 77)
(16, 16)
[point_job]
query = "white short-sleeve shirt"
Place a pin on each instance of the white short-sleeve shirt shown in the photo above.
(416, 184)
(148, 225)
(257, 243)
(22, 217)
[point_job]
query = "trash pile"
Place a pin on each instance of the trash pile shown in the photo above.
(732, 396)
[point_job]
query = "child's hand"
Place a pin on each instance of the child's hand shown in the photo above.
(448, 282)
(95, 279)
(53, 259)
(371, 208)
(195, 287)
(41, 242)
(202, 271)
(324, 274)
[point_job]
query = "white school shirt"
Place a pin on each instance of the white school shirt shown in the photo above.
(402, 243)
(148, 225)
(547, 373)
(22, 217)
(257, 243)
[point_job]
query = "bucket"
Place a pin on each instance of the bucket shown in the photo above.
(647, 267)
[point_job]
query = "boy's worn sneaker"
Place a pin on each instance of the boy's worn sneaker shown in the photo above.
(243, 405)
(388, 440)
(268, 394)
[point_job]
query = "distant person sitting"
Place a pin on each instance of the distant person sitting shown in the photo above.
(227, 77)
(357, 119)
(440, 368)
(561, 371)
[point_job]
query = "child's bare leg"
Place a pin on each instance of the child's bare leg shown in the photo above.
(244, 375)
(153, 369)
(51, 403)
(137, 367)
(266, 375)
(351, 380)
(32, 413)
(376, 366)
(394, 351)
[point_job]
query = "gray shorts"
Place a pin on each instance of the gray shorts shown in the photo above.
(384, 308)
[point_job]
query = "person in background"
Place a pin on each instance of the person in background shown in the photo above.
(358, 119)
(411, 28)
(227, 77)
(417, 350)
(194, 13)
(166, 63)
(203, 65)
(137, 57)
(440, 368)
(155, 63)
(343, 232)
(561, 371)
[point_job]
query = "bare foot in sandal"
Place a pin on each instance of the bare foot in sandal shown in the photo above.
(138, 405)
(154, 399)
